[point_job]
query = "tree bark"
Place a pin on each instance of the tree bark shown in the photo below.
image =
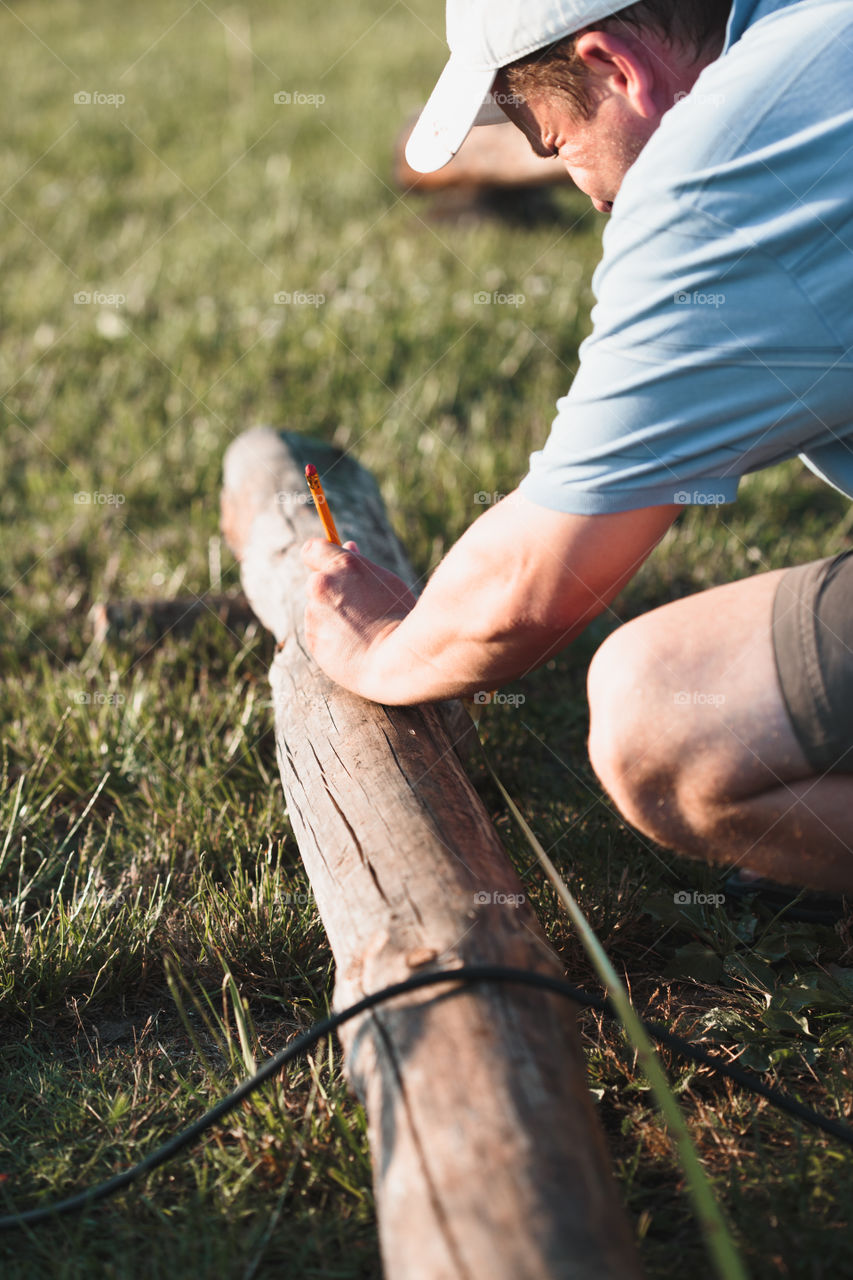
(488, 1160)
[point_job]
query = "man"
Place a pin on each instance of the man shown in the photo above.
(721, 724)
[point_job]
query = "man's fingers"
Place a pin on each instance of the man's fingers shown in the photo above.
(319, 554)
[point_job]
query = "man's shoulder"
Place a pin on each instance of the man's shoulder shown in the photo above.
(785, 84)
(754, 160)
(747, 14)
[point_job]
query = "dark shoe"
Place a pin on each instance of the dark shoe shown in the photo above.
(795, 904)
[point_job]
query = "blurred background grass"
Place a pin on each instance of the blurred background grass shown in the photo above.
(141, 809)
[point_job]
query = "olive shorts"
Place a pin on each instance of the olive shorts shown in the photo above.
(813, 645)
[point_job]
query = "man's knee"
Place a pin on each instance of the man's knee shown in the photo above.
(661, 754)
(625, 744)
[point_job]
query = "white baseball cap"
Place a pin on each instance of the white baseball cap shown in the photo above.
(485, 35)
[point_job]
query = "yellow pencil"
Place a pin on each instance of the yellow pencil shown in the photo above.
(321, 503)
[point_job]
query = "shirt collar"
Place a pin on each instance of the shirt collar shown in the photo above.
(745, 13)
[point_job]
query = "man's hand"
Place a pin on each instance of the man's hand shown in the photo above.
(353, 604)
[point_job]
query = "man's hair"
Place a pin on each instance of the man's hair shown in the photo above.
(556, 70)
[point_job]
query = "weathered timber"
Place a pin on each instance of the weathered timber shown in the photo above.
(488, 1160)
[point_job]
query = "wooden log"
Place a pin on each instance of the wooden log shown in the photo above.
(488, 1161)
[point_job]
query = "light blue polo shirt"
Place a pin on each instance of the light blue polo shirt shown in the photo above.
(723, 327)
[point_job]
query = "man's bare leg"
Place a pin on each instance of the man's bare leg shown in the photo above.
(691, 737)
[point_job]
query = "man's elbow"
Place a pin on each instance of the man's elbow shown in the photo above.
(522, 638)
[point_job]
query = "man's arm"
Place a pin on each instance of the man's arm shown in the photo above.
(516, 587)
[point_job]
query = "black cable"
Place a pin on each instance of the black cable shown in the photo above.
(468, 973)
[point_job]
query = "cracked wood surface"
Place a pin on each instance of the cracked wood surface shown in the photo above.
(488, 1160)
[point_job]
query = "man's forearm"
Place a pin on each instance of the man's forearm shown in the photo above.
(471, 630)
(518, 585)
(505, 599)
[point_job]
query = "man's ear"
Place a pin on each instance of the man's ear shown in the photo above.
(619, 67)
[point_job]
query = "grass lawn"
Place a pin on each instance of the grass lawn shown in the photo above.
(144, 851)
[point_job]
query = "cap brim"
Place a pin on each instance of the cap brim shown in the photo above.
(454, 106)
